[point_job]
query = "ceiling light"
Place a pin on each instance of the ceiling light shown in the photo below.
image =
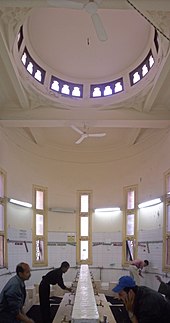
(149, 203)
(20, 203)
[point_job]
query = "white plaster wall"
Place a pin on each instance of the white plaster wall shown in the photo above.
(150, 218)
(107, 222)
(19, 217)
(63, 179)
(61, 222)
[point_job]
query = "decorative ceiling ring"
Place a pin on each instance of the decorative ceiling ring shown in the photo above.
(99, 90)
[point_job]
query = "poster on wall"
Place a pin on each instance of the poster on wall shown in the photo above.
(71, 237)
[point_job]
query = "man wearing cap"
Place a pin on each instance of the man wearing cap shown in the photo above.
(144, 305)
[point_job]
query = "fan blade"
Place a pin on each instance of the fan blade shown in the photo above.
(77, 130)
(65, 4)
(81, 139)
(98, 25)
(96, 135)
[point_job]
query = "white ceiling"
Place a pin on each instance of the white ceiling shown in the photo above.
(65, 42)
(71, 45)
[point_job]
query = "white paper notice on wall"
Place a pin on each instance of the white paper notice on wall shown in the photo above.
(70, 237)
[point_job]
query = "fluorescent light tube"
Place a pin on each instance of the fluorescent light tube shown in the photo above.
(149, 203)
(61, 210)
(107, 209)
(20, 203)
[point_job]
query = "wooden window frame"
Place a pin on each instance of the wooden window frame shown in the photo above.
(166, 233)
(3, 233)
(44, 236)
(82, 238)
(126, 237)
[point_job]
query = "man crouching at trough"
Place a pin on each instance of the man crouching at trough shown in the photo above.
(144, 305)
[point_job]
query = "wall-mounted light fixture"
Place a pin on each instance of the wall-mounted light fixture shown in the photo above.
(61, 210)
(107, 210)
(149, 203)
(21, 203)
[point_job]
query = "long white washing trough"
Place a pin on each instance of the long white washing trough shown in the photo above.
(85, 308)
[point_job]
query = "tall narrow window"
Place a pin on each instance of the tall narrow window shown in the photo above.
(84, 228)
(40, 226)
(3, 234)
(130, 224)
(166, 225)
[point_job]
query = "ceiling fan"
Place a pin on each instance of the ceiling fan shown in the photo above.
(84, 134)
(90, 7)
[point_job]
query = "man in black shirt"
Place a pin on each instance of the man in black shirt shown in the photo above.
(164, 288)
(53, 277)
(144, 305)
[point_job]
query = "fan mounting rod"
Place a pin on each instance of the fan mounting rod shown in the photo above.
(91, 7)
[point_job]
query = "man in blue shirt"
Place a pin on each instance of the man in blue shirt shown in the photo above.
(13, 296)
